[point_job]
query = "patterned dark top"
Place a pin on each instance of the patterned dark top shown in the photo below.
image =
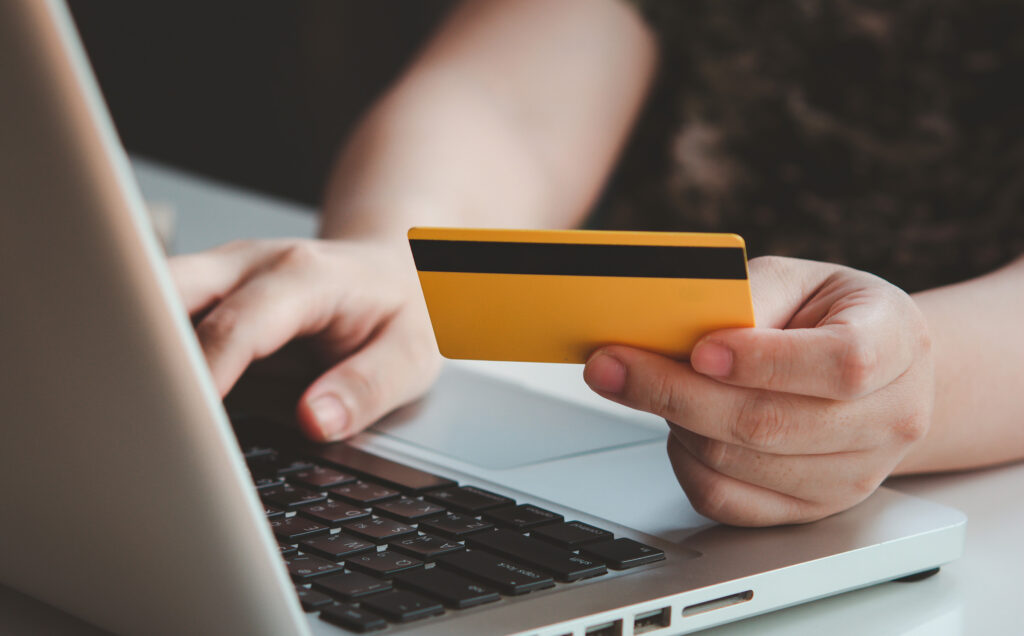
(888, 136)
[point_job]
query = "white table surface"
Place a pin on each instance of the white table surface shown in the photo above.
(981, 593)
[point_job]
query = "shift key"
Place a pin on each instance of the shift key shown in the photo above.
(509, 577)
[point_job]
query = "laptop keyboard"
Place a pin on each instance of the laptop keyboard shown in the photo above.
(369, 542)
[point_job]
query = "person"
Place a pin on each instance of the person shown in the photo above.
(513, 115)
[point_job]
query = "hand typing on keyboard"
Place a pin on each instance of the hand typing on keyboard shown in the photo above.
(358, 304)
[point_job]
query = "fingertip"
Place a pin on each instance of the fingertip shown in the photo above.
(605, 373)
(323, 417)
(712, 359)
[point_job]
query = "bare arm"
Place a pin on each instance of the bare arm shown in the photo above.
(512, 115)
(978, 345)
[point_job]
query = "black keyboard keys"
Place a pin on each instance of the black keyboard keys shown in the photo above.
(352, 618)
(522, 517)
(454, 524)
(318, 478)
(289, 529)
(312, 600)
(621, 554)
(407, 509)
(454, 590)
(350, 585)
(378, 529)
(384, 563)
(363, 493)
(565, 565)
(571, 535)
(332, 513)
(272, 512)
(469, 499)
(425, 547)
(303, 567)
(383, 470)
(336, 547)
(509, 577)
(402, 606)
(290, 496)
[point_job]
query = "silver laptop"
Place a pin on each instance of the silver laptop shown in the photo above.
(485, 508)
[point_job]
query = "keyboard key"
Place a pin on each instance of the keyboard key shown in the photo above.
(622, 553)
(303, 567)
(454, 590)
(252, 451)
(469, 499)
(318, 478)
(363, 493)
(290, 496)
(287, 549)
(350, 585)
(272, 512)
(288, 529)
(522, 517)
(332, 512)
(268, 482)
(383, 563)
(393, 474)
(402, 606)
(336, 546)
(312, 600)
(425, 546)
(407, 509)
(352, 618)
(272, 465)
(509, 577)
(455, 525)
(378, 529)
(565, 565)
(571, 535)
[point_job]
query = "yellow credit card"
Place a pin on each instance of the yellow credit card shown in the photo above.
(557, 295)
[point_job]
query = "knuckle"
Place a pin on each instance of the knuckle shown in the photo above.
(711, 499)
(299, 255)
(220, 325)
(714, 454)
(910, 428)
(365, 394)
(664, 397)
(760, 423)
(858, 369)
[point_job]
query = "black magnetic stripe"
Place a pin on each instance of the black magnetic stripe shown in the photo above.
(577, 259)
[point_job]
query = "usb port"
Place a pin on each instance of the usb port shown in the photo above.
(654, 619)
(611, 628)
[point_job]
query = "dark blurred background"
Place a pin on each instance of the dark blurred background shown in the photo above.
(887, 135)
(261, 93)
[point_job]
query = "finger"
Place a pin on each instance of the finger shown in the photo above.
(204, 278)
(857, 338)
(834, 479)
(255, 320)
(779, 423)
(397, 365)
(731, 501)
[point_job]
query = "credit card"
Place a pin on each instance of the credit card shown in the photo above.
(557, 295)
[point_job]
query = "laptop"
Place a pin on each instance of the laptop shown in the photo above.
(135, 502)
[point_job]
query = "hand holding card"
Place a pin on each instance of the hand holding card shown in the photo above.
(557, 295)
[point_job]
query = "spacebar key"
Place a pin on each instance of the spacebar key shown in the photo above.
(565, 565)
(383, 470)
(509, 577)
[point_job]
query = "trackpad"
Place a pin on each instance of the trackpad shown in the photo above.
(495, 424)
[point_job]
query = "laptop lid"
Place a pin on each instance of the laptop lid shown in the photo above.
(107, 407)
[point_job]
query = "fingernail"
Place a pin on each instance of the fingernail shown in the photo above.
(604, 373)
(330, 416)
(711, 358)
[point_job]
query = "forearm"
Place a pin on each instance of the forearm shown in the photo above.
(978, 347)
(511, 116)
